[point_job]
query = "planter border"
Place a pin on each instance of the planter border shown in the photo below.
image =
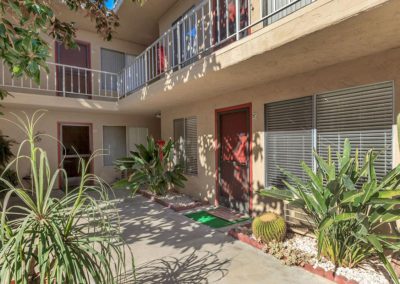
(154, 198)
(330, 275)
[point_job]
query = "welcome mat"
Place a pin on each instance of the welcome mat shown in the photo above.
(212, 221)
(227, 214)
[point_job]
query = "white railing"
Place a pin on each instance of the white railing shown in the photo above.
(66, 81)
(208, 26)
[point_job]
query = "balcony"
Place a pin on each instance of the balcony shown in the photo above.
(204, 29)
(211, 25)
(66, 81)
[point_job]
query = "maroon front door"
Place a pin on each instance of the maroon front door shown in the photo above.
(234, 158)
(76, 67)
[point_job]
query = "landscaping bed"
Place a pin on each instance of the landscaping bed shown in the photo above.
(173, 200)
(302, 251)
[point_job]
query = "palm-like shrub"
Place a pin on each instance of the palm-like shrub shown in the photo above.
(152, 167)
(44, 239)
(348, 204)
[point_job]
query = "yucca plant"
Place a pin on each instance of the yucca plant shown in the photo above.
(348, 204)
(152, 167)
(44, 239)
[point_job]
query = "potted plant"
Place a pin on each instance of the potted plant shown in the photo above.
(74, 238)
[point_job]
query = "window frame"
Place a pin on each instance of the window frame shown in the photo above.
(314, 124)
(195, 172)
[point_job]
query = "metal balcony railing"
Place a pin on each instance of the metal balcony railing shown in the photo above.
(205, 28)
(66, 81)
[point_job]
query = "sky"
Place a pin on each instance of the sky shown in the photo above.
(110, 4)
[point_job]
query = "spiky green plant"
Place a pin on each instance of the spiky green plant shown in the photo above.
(152, 167)
(269, 227)
(348, 204)
(74, 238)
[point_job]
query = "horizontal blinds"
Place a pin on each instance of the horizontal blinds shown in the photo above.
(179, 136)
(185, 137)
(271, 6)
(191, 145)
(113, 62)
(288, 126)
(362, 114)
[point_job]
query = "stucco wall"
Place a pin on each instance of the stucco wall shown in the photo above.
(176, 11)
(376, 68)
(48, 126)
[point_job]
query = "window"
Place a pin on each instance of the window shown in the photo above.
(362, 114)
(185, 137)
(113, 62)
(288, 138)
(114, 144)
(281, 8)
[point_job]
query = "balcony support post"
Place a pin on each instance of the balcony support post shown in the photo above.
(237, 6)
(63, 85)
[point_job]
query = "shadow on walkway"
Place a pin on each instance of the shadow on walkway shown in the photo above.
(196, 267)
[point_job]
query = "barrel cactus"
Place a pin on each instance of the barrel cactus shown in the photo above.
(269, 227)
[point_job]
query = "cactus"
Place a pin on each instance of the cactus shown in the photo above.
(269, 227)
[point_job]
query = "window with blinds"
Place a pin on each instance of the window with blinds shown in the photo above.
(362, 114)
(281, 8)
(111, 61)
(288, 128)
(185, 137)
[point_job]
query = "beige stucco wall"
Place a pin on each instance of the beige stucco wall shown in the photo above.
(176, 11)
(375, 68)
(48, 126)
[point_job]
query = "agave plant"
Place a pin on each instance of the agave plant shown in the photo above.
(348, 204)
(152, 167)
(74, 238)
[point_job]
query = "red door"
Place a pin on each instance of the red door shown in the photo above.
(77, 78)
(234, 139)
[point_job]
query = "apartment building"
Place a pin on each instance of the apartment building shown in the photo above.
(243, 86)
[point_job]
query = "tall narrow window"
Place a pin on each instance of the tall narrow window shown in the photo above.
(288, 128)
(185, 137)
(114, 143)
(362, 114)
(113, 62)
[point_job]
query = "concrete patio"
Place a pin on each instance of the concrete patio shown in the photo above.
(170, 248)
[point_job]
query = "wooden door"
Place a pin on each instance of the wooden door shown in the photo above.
(234, 159)
(76, 61)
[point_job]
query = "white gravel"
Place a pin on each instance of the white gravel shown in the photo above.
(365, 274)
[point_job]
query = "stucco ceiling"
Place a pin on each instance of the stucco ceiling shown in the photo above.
(139, 24)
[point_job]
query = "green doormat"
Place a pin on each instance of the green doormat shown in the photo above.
(206, 218)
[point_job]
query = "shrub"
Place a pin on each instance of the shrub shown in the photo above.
(152, 167)
(5, 156)
(269, 227)
(348, 204)
(43, 239)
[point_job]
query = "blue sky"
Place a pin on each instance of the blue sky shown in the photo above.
(110, 4)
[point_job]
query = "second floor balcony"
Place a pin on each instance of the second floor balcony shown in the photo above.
(66, 81)
(242, 36)
(203, 29)
(197, 33)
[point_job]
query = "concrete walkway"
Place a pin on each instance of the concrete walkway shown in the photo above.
(170, 248)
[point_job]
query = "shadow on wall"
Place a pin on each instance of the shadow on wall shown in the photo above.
(196, 267)
(201, 65)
